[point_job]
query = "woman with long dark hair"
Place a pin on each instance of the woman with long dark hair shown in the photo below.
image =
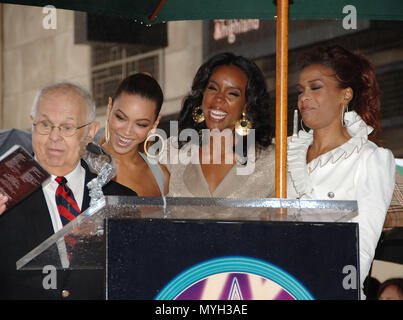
(228, 110)
(133, 111)
(339, 100)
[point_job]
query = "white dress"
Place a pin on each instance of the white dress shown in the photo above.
(357, 170)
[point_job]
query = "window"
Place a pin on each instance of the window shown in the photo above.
(112, 63)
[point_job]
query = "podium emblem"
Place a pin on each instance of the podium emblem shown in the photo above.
(234, 278)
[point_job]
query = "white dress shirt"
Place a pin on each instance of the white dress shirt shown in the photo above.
(75, 181)
(357, 170)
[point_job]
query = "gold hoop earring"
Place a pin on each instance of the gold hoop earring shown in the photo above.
(107, 134)
(243, 126)
(198, 115)
(146, 149)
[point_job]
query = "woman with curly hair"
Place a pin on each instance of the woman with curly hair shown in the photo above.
(229, 113)
(339, 100)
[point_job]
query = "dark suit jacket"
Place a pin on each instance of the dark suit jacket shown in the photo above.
(27, 225)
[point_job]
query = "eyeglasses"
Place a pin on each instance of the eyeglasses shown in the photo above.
(66, 130)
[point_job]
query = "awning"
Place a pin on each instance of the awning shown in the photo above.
(172, 10)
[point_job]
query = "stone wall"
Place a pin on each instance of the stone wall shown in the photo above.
(34, 57)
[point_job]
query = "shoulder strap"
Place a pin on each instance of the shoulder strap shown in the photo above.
(157, 172)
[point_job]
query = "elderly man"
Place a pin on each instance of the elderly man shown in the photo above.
(62, 120)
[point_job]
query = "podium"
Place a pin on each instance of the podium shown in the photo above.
(211, 248)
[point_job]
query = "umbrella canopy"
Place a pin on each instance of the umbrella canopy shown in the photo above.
(171, 10)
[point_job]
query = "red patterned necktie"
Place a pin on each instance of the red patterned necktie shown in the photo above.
(66, 204)
(68, 210)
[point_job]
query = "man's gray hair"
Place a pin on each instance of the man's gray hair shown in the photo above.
(84, 94)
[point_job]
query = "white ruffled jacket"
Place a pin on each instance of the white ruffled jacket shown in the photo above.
(357, 170)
